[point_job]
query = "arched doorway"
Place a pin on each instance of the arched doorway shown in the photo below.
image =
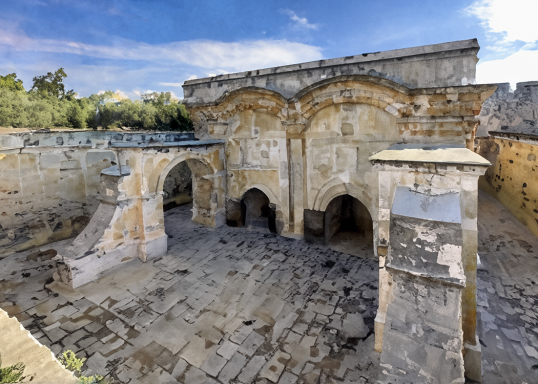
(348, 226)
(257, 212)
(177, 187)
(198, 190)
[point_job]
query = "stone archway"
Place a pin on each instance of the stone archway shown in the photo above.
(348, 226)
(257, 212)
(256, 196)
(202, 190)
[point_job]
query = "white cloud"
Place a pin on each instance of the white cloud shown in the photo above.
(192, 77)
(518, 67)
(209, 54)
(511, 31)
(299, 22)
(121, 93)
(171, 84)
(507, 21)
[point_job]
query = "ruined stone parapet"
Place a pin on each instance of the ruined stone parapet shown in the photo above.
(446, 64)
(508, 111)
(17, 345)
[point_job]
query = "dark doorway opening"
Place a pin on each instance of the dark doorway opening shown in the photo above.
(348, 226)
(257, 212)
(177, 187)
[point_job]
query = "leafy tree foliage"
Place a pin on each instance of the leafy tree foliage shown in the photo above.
(11, 82)
(47, 105)
(52, 84)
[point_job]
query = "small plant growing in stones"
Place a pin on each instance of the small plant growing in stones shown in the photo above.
(12, 374)
(70, 361)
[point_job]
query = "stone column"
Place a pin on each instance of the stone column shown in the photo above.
(295, 155)
(385, 280)
(469, 211)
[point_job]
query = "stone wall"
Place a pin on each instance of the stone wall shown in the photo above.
(508, 138)
(48, 194)
(17, 345)
(512, 178)
(437, 65)
(507, 111)
(50, 181)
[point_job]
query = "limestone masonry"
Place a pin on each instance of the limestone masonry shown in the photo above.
(370, 155)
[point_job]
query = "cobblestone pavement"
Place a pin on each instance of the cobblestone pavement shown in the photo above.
(507, 296)
(225, 305)
(228, 305)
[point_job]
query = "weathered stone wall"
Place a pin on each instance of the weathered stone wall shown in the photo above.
(513, 177)
(129, 222)
(508, 138)
(48, 194)
(17, 345)
(507, 111)
(50, 181)
(304, 151)
(437, 65)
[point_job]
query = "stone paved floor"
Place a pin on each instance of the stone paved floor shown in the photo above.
(232, 306)
(507, 296)
(225, 305)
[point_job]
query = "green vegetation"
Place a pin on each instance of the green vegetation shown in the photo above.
(70, 361)
(12, 374)
(48, 105)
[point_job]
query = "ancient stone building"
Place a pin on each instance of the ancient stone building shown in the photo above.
(373, 151)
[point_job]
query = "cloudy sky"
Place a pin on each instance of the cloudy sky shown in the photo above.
(155, 45)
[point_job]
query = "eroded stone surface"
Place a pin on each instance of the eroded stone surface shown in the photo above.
(222, 277)
(218, 308)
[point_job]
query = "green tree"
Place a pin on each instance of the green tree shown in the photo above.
(11, 82)
(52, 84)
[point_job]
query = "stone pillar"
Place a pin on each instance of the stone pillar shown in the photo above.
(296, 185)
(385, 280)
(422, 329)
(469, 211)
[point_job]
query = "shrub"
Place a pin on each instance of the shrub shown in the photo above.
(12, 374)
(70, 361)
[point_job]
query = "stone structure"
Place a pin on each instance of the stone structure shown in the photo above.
(508, 138)
(309, 133)
(51, 180)
(373, 145)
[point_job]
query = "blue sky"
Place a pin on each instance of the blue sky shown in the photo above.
(138, 46)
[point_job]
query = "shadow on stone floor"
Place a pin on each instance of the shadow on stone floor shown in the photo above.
(230, 305)
(225, 305)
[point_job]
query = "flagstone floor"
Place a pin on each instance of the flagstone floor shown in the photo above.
(225, 305)
(229, 305)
